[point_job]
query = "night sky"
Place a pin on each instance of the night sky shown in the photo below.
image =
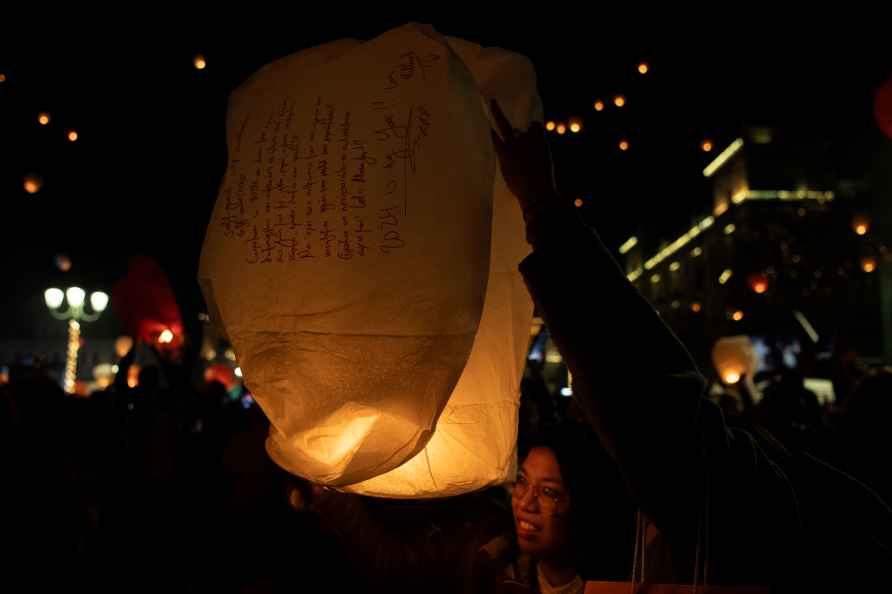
(142, 176)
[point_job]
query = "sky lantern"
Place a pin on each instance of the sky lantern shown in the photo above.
(733, 358)
(388, 356)
(146, 304)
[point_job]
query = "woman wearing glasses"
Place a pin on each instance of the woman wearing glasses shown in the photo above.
(572, 518)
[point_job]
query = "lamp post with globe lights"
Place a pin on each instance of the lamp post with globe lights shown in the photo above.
(74, 315)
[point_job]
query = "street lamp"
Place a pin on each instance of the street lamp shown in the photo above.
(75, 314)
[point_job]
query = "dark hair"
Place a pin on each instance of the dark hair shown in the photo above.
(602, 514)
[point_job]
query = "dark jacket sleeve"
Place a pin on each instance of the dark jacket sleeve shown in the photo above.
(645, 397)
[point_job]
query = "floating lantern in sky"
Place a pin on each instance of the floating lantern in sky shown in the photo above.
(758, 283)
(72, 135)
(199, 62)
(868, 264)
(578, 203)
(619, 101)
(599, 106)
(623, 145)
(63, 262)
(575, 126)
(860, 224)
(33, 183)
(388, 352)
(43, 119)
(643, 68)
(550, 125)
(706, 146)
(561, 128)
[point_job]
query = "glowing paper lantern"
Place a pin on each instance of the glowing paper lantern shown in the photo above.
(123, 345)
(387, 359)
(33, 183)
(145, 303)
(733, 357)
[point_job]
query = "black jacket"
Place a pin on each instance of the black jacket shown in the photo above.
(773, 518)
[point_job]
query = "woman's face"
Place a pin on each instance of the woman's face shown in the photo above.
(540, 503)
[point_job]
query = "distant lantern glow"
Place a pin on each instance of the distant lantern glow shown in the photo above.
(33, 183)
(760, 287)
(737, 316)
(730, 228)
(643, 68)
(674, 266)
(860, 225)
(2, 78)
(561, 129)
(696, 252)
(549, 125)
(43, 119)
(166, 336)
(725, 276)
(575, 126)
(623, 145)
(199, 62)
(868, 265)
(696, 307)
(599, 106)
(655, 278)
(578, 203)
(619, 101)
(63, 262)
(706, 146)
(72, 136)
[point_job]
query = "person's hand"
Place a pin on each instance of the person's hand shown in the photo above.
(526, 163)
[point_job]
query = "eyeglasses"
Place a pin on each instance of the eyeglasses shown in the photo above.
(550, 500)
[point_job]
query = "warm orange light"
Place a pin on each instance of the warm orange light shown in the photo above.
(33, 183)
(696, 307)
(731, 377)
(706, 146)
(868, 265)
(578, 202)
(199, 62)
(861, 225)
(166, 337)
(643, 68)
(623, 145)
(44, 119)
(561, 129)
(575, 127)
(619, 100)
(599, 106)
(760, 287)
(2, 78)
(550, 126)
(737, 316)
(133, 376)
(72, 136)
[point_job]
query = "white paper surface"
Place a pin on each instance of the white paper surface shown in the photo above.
(359, 228)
